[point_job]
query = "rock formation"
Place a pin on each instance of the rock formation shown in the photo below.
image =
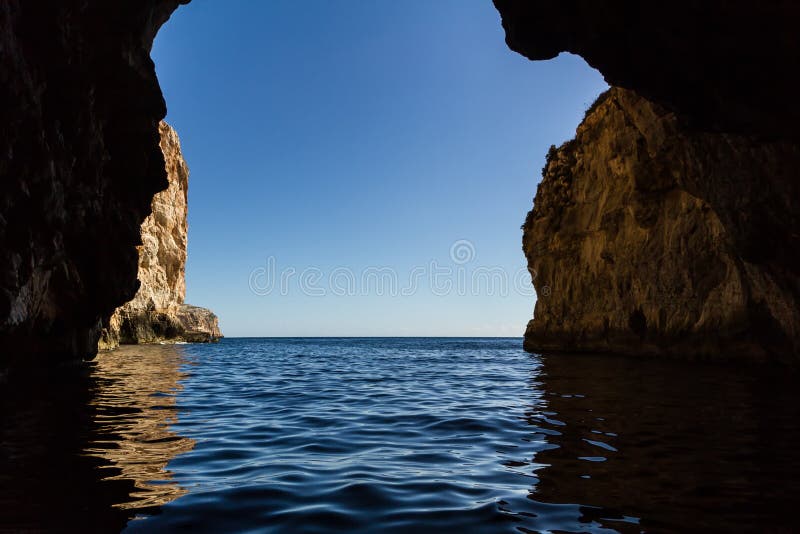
(80, 165)
(669, 224)
(644, 239)
(157, 312)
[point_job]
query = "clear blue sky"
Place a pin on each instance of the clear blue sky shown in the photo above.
(336, 134)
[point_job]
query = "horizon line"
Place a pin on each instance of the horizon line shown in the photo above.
(371, 337)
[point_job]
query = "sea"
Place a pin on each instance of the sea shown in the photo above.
(398, 435)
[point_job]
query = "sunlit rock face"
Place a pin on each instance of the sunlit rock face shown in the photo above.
(157, 312)
(646, 237)
(80, 165)
(669, 225)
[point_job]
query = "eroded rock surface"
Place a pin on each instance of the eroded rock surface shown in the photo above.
(646, 237)
(157, 312)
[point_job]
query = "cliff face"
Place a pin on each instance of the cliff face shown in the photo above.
(646, 237)
(669, 224)
(157, 312)
(162, 254)
(80, 165)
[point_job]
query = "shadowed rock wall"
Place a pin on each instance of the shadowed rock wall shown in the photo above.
(724, 65)
(80, 165)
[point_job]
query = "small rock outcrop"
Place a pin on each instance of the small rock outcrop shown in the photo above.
(157, 313)
(648, 238)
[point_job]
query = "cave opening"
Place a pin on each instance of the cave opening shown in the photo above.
(341, 156)
(361, 170)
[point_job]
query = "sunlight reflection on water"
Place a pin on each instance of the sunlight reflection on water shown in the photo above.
(134, 408)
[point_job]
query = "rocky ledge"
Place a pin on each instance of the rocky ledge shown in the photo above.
(648, 238)
(181, 323)
(157, 313)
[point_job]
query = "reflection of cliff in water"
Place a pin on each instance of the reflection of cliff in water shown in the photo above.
(682, 446)
(91, 451)
(134, 405)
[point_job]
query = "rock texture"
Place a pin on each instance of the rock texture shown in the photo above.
(157, 312)
(646, 237)
(80, 165)
(670, 224)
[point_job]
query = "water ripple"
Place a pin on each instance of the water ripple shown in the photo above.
(393, 435)
(334, 435)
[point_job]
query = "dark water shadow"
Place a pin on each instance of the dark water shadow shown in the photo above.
(86, 448)
(666, 446)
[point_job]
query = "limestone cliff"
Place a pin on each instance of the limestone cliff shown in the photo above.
(646, 237)
(157, 312)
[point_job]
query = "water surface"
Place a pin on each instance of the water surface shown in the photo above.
(339, 435)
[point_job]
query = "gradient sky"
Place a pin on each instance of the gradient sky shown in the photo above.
(348, 135)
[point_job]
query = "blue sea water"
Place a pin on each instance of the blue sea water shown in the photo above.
(400, 435)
